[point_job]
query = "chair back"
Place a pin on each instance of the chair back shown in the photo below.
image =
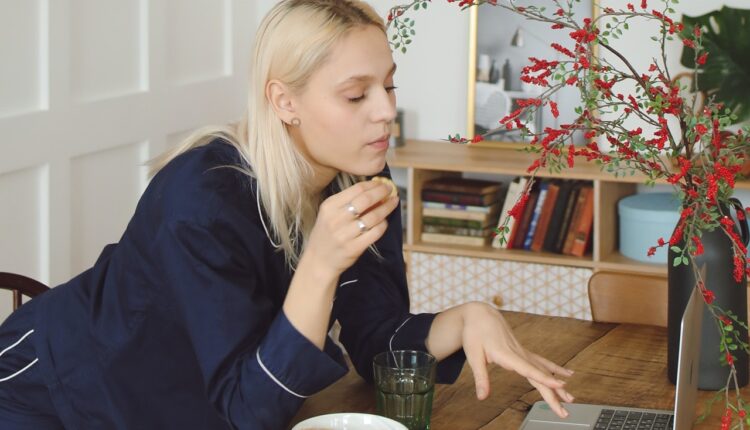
(21, 286)
(628, 298)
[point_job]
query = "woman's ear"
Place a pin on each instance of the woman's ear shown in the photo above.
(280, 98)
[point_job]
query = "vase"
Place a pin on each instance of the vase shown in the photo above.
(730, 295)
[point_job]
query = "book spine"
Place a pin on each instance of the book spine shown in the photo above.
(523, 227)
(565, 224)
(535, 217)
(458, 231)
(462, 215)
(468, 208)
(453, 240)
(583, 227)
(462, 186)
(545, 218)
(461, 199)
(451, 222)
(514, 191)
(570, 235)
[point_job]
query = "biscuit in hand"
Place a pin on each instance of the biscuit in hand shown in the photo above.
(386, 181)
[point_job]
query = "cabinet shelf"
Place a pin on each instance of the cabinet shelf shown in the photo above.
(424, 160)
(501, 254)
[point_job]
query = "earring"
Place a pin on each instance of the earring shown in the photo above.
(296, 122)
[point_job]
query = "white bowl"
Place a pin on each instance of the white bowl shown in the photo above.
(349, 421)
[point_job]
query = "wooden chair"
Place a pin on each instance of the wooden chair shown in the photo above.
(20, 286)
(628, 298)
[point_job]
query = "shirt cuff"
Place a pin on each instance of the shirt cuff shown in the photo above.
(412, 334)
(286, 356)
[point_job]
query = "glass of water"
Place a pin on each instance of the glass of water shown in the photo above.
(405, 385)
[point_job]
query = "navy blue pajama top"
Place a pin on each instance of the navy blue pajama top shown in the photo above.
(180, 324)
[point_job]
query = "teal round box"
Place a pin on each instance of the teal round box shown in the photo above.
(644, 218)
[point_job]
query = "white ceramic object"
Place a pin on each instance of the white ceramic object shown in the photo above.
(349, 421)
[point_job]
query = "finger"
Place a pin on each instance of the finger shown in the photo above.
(552, 367)
(475, 358)
(370, 236)
(344, 197)
(526, 369)
(380, 212)
(370, 198)
(551, 398)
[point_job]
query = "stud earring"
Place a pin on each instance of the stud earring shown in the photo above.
(296, 122)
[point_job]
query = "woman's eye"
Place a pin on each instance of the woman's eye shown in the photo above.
(362, 97)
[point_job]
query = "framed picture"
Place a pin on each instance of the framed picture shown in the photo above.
(500, 44)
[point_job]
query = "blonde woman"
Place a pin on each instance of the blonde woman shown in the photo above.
(213, 310)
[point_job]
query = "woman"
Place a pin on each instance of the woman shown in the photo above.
(212, 312)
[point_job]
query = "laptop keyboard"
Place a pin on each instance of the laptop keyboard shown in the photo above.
(611, 419)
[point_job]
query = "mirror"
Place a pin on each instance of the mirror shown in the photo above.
(500, 43)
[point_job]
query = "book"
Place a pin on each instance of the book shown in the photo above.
(583, 226)
(468, 208)
(454, 240)
(452, 222)
(515, 189)
(457, 231)
(455, 184)
(520, 235)
(570, 235)
(535, 215)
(545, 216)
(566, 187)
(567, 215)
(448, 213)
(459, 198)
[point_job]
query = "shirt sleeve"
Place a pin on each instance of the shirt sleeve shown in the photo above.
(255, 364)
(372, 306)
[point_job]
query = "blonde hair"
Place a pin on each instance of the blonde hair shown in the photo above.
(294, 39)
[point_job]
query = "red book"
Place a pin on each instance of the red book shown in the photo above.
(583, 226)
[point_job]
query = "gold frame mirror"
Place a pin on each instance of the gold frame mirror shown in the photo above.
(500, 49)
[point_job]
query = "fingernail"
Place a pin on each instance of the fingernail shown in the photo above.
(564, 413)
(481, 392)
(560, 381)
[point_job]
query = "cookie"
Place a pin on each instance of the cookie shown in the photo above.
(386, 181)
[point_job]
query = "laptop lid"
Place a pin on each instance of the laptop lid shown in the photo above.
(688, 362)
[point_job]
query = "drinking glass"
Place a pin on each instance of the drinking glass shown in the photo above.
(405, 385)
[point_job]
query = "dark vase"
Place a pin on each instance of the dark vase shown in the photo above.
(730, 295)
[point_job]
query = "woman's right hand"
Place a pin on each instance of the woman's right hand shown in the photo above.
(348, 222)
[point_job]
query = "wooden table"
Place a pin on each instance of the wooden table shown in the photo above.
(623, 365)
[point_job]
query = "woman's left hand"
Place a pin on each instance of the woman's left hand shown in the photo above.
(487, 338)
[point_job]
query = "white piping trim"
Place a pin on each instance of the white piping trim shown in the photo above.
(348, 282)
(19, 372)
(7, 378)
(257, 356)
(260, 215)
(390, 342)
(17, 342)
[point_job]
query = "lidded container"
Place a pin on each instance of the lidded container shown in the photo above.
(644, 218)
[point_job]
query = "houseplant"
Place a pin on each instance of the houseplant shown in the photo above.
(642, 121)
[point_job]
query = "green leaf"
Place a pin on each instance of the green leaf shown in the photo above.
(726, 39)
(676, 262)
(676, 249)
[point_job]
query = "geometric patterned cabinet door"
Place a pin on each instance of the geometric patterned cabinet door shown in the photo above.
(437, 282)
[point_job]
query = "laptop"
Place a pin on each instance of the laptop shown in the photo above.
(600, 417)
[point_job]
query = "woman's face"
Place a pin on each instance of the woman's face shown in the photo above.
(347, 107)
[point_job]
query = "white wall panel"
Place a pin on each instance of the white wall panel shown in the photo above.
(108, 44)
(23, 74)
(105, 187)
(23, 218)
(198, 40)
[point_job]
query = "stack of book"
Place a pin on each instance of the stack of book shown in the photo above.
(459, 211)
(558, 217)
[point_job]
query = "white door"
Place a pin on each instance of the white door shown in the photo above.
(89, 91)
